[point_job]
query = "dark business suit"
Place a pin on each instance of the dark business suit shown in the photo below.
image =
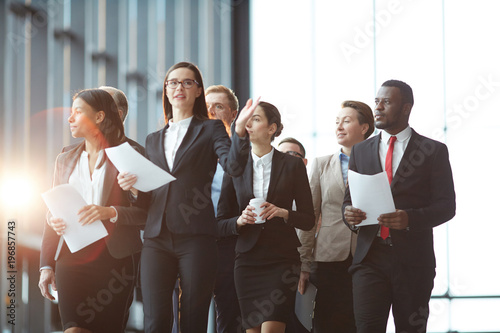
(272, 246)
(423, 187)
(180, 231)
(101, 260)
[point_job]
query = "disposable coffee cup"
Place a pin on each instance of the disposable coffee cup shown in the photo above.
(256, 203)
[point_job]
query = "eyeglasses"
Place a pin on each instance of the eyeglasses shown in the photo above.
(294, 153)
(187, 83)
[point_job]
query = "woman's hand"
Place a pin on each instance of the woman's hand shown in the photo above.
(127, 182)
(303, 281)
(247, 216)
(91, 213)
(245, 114)
(57, 224)
(272, 211)
(47, 277)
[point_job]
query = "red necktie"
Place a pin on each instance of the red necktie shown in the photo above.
(384, 231)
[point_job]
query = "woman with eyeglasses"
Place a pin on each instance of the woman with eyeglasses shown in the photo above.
(180, 232)
(95, 285)
(267, 261)
(327, 256)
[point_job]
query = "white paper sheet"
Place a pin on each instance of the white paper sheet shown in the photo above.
(372, 194)
(64, 202)
(127, 159)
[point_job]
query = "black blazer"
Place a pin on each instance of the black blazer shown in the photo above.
(185, 205)
(288, 182)
(123, 236)
(422, 186)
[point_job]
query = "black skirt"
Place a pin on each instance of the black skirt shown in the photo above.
(95, 290)
(266, 283)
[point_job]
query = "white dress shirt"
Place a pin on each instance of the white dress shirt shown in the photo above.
(402, 139)
(174, 135)
(90, 187)
(262, 174)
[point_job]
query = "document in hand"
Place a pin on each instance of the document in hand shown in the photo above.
(64, 202)
(304, 306)
(149, 175)
(372, 194)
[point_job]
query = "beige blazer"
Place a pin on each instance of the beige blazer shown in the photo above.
(334, 239)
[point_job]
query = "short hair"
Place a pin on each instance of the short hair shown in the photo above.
(365, 114)
(294, 141)
(200, 110)
(273, 117)
(120, 99)
(404, 88)
(231, 97)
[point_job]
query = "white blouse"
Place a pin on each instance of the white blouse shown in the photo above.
(90, 187)
(174, 135)
(262, 174)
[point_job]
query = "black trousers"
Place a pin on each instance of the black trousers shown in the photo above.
(194, 259)
(381, 281)
(226, 301)
(334, 305)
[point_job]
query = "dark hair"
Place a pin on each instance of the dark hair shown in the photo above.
(111, 128)
(200, 105)
(273, 117)
(231, 97)
(404, 88)
(294, 141)
(365, 114)
(120, 99)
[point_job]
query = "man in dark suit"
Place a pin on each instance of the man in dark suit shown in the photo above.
(122, 104)
(394, 262)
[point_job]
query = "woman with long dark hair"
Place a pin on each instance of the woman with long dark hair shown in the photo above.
(95, 284)
(180, 232)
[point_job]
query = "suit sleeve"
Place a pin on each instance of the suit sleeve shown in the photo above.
(303, 218)
(232, 154)
(228, 210)
(143, 199)
(307, 238)
(442, 195)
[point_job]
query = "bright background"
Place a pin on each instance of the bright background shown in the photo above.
(309, 56)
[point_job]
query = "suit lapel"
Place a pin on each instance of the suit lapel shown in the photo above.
(276, 168)
(192, 133)
(336, 168)
(68, 162)
(405, 160)
(248, 176)
(109, 179)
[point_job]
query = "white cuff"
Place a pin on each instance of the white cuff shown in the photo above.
(114, 219)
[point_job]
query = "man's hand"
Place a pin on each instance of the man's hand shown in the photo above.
(354, 216)
(47, 277)
(303, 281)
(397, 220)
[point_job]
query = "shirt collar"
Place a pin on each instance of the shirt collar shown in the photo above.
(401, 136)
(343, 156)
(184, 123)
(264, 160)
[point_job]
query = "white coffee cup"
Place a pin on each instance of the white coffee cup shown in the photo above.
(256, 203)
